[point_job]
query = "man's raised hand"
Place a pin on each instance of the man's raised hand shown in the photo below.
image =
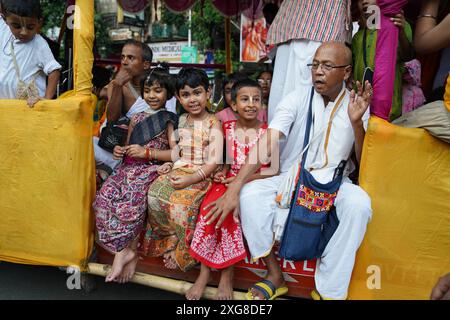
(359, 102)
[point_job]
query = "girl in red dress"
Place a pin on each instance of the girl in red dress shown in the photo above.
(220, 248)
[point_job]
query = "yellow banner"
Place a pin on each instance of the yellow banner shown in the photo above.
(48, 182)
(407, 245)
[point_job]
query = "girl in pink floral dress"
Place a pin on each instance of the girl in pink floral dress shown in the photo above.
(222, 248)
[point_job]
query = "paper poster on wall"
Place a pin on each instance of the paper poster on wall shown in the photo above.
(189, 54)
(253, 46)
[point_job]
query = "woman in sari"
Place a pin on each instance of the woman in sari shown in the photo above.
(365, 51)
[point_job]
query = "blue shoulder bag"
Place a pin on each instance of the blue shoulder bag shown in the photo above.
(312, 218)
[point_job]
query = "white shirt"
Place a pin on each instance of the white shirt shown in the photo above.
(139, 106)
(171, 105)
(290, 119)
(32, 57)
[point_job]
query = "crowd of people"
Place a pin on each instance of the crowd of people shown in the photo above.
(210, 188)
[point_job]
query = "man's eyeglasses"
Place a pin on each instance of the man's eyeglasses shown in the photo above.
(264, 81)
(325, 66)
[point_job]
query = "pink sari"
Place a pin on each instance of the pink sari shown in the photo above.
(385, 59)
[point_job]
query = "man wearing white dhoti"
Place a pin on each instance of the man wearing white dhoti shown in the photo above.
(339, 118)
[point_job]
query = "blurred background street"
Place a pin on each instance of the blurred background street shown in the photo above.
(49, 283)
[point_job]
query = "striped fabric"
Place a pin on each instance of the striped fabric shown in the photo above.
(318, 20)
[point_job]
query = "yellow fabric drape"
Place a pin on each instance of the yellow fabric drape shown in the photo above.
(407, 175)
(48, 182)
(83, 42)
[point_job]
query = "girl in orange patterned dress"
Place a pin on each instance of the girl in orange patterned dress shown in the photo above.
(174, 198)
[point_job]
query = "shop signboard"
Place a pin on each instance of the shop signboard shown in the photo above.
(172, 52)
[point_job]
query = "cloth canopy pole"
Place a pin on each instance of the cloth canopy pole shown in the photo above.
(190, 29)
(83, 41)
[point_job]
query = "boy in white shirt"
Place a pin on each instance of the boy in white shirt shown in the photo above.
(25, 57)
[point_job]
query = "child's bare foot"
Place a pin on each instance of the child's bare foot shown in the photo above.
(225, 289)
(169, 260)
(197, 289)
(120, 260)
(128, 270)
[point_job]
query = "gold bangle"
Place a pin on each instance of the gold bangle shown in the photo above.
(151, 155)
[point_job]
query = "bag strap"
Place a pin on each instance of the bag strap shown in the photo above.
(330, 122)
(16, 66)
(307, 143)
(309, 121)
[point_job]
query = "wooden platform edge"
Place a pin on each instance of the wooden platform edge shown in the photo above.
(167, 284)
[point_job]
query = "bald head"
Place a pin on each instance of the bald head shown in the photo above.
(341, 53)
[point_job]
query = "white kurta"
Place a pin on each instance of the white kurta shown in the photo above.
(257, 200)
(33, 57)
(291, 70)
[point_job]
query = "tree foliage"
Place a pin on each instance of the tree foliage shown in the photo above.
(102, 39)
(53, 12)
(204, 25)
(209, 31)
(169, 17)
